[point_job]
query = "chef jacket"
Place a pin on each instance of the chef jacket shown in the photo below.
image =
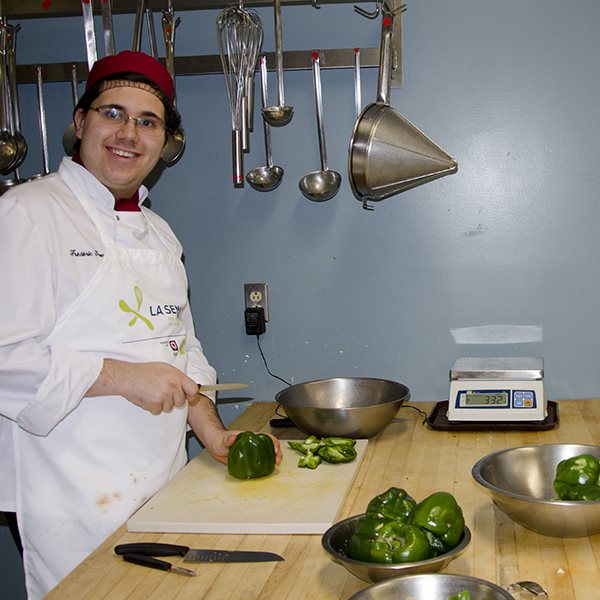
(51, 251)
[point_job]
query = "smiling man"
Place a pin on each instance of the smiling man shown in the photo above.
(97, 385)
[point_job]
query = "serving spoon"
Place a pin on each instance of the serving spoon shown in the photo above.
(322, 185)
(279, 115)
(267, 178)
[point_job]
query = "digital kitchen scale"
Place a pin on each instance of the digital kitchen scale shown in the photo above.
(497, 389)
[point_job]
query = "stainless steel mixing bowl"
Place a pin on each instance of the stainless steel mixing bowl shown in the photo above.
(335, 542)
(432, 586)
(356, 407)
(519, 480)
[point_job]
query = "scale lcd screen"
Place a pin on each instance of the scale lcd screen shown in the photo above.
(486, 399)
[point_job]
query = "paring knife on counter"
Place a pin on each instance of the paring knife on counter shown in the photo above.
(149, 549)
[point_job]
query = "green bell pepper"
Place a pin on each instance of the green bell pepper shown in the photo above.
(252, 455)
(362, 538)
(578, 470)
(441, 515)
(400, 543)
(578, 478)
(393, 504)
(461, 596)
(585, 493)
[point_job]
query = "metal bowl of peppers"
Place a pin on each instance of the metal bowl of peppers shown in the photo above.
(398, 536)
(528, 482)
(354, 407)
(443, 586)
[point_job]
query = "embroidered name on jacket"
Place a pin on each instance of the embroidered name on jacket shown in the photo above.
(74, 252)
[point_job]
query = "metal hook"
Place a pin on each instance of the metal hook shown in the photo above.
(365, 203)
(394, 11)
(315, 4)
(367, 14)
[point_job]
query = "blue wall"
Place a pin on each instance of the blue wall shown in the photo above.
(499, 259)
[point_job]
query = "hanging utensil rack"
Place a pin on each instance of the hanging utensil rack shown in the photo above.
(340, 58)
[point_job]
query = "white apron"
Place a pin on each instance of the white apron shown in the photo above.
(107, 457)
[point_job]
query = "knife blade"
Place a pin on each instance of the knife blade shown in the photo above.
(154, 563)
(222, 386)
(196, 554)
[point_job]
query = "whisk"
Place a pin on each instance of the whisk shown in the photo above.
(239, 37)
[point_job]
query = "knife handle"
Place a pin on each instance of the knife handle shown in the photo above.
(151, 549)
(147, 561)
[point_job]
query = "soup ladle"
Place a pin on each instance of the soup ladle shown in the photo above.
(8, 143)
(322, 185)
(267, 178)
(279, 115)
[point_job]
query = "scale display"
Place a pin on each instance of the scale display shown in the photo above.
(497, 389)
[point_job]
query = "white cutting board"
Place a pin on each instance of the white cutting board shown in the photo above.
(204, 498)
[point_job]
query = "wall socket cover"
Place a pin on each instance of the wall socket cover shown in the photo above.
(257, 295)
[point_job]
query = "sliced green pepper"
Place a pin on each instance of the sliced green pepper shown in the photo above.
(252, 455)
(309, 446)
(394, 504)
(337, 454)
(338, 441)
(442, 516)
(309, 461)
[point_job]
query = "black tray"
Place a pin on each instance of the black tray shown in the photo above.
(438, 420)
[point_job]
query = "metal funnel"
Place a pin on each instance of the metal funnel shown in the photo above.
(387, 153)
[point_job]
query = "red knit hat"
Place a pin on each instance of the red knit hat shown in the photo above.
(132, 62)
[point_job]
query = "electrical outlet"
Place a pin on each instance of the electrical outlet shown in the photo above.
(257, 295)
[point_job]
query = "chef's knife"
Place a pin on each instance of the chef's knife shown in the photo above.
(196, 555)
(154, 563)
(221, 386)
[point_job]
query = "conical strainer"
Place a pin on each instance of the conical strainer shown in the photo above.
(388, 154)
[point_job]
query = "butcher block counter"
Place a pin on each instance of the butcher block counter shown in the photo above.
(406, 454)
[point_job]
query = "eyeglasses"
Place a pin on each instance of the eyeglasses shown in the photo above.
(147, 124)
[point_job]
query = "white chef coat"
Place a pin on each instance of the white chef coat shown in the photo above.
(53, 246)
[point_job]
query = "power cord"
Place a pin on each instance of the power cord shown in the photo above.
(267, 366)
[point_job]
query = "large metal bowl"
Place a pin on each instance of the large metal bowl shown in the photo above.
(335, 542)
(519, 480)
(356, 407)
(432, 586)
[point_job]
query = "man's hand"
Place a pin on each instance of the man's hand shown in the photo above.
(220, 450)
(156, 387)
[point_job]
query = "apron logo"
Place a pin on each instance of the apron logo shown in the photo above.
(136, 315)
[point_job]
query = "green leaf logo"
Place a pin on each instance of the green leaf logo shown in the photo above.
(139, 297)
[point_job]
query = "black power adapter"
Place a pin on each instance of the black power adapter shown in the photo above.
(254, 319)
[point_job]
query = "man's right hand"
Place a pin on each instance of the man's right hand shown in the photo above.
(154, 386)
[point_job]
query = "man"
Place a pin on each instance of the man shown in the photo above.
(99, 363)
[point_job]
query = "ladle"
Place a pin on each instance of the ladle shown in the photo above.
(279, 115)
(267, 178)
(175, 144)
(13, 96)
(39, 85)
(322, 185)
(8, 143)
(69, 138)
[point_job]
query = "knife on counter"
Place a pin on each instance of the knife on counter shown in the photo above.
(155, 563)
(148, 549)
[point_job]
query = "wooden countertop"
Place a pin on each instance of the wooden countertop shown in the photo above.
(406, 454)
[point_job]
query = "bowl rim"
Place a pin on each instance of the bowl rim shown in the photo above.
(452, 554)
(477, 475)
(456, 576)
(404, 398)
